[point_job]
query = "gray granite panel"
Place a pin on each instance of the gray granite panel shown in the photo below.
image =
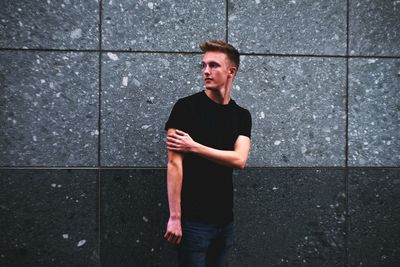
(374, 27)
(172, 25)
(49, 24)
(48, 109)
(289, 217)
(134, 214)
(137, 97)
(300, 27)
(298, 109)
(374, 112)
(48, 218)
(374, 209)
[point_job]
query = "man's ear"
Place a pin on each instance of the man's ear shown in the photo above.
(232, 71)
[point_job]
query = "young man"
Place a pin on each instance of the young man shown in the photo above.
(208, 135)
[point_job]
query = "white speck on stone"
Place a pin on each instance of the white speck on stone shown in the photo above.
(370, 61)
(145, 127)
(137, 241)
(58, 94)
(328, 139)
(145, 219)
(34, 138)
(112, 56)
(136, 82)
(150, 5)
(275, 188)
(81, 243)
(293, 2)
(257, 1)
(53, 185)
(152, 249)
(20, 24)
(95, 132)
(65, 236)
(51, 84)
(76, 34)
(262, 115)
(42, 80)
(125, 81)
(303, 149)
(277, 142)
(326, 130)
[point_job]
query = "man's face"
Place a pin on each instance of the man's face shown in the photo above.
(216, 69)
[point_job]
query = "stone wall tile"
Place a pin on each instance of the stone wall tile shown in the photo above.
(298, 109)
(138, 94)
(374, 112)
(374, 28)
(49, 24)
(48, 218)
(288, 27)
(162, 25)
(374, 209)
(134, 216)
(49, 108)
(289, 217)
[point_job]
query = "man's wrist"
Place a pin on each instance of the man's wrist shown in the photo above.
(195, 147)
(175, 216)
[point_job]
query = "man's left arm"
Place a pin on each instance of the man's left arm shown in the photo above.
(236, 158)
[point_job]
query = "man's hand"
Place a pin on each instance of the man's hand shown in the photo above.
(174, 231)
(180, 141)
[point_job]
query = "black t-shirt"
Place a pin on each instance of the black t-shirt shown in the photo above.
(207, 189)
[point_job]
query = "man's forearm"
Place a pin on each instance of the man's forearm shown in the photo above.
(174, 186)
(180, 141)
(230, 158)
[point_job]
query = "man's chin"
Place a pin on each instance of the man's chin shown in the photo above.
(210, 88)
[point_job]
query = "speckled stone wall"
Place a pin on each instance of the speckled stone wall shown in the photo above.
(85, 90)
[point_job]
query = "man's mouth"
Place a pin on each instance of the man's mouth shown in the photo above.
(208, 79)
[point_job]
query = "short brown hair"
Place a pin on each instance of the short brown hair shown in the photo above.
(217, 45)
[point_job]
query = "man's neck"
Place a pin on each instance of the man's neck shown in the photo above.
(221, 96)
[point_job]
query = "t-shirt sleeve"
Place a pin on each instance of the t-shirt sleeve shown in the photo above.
(245, 123)
(177, 118)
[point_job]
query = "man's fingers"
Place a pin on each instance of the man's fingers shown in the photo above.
(173, 238)
(179, 132)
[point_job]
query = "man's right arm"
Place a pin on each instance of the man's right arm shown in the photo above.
(174, 186)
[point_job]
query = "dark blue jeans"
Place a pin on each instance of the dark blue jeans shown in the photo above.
(205, 245)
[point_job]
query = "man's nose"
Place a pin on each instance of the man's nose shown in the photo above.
(206, 69)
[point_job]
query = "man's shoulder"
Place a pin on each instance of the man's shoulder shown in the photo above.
(190, 98)
(241, 109)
